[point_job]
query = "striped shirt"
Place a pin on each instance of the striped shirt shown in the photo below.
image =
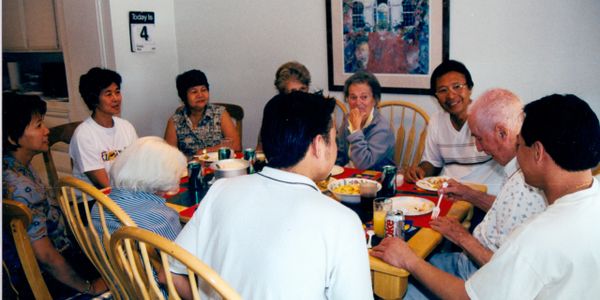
(147, 210)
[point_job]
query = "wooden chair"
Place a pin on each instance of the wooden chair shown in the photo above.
(61, 133)
(340, 111)
(132, 248)
(97, 249)
(18, 217)
(409, 119)
(237, 113)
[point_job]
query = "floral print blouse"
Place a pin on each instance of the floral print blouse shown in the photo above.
(22, 184)
(207, 133)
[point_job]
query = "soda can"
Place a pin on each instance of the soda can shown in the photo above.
(250, 156)
(388, 181)
(394, 224)
(224, 153)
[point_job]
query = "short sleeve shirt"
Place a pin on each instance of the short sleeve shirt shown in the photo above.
(206, 134)
(22, 184)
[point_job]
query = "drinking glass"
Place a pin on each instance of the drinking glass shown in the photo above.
(380, 208)
(368, 192)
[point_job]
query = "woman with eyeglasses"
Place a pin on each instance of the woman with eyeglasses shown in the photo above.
(365, 140)
(450, 149)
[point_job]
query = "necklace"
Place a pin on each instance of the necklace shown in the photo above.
(288, 182)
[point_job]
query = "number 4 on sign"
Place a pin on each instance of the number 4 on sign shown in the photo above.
(144, 33)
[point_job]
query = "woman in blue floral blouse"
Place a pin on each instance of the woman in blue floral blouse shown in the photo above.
(25, 135)
(198, 125)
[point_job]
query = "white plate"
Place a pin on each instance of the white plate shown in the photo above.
(336, 170)
(412, 206)
(212, 156)
(433, 183)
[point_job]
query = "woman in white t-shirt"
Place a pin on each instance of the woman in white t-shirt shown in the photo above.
(101, 137)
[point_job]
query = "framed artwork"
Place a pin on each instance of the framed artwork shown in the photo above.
(400, 41)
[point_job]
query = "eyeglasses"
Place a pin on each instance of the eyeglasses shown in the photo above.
(362, 98)
(455, 87)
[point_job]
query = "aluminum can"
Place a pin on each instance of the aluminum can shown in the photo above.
(394, 224)
(388, 181)
(250, 156)
(224, 153)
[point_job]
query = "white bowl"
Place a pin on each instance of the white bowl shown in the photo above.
(349, 198)
(230, 168)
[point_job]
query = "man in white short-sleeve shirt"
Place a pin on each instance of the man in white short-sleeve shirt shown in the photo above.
(554, 254)
(273, 235)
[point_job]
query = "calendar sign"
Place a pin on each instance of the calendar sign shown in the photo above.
(141, 30)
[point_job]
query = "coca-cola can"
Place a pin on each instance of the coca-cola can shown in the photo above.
(394, 224)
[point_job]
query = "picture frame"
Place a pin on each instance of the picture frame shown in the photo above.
(399, 41)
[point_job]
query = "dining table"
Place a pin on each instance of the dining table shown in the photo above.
(389, 282)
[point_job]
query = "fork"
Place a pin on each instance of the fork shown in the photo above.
(436, 210)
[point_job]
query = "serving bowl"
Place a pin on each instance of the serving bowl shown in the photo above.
(352, 185)
(230, 168)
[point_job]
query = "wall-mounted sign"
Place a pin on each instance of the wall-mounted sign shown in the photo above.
(141, 30)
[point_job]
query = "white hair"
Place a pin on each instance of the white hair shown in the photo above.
(148, 165)
(497, 107)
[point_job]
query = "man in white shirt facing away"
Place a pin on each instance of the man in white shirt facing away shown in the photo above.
(273, 235)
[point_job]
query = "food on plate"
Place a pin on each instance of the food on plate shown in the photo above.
(432, 183)
(436, 182)
(423, 207)
(351, 189)
(324, 183)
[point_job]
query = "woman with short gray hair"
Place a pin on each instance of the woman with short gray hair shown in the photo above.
(140, 177)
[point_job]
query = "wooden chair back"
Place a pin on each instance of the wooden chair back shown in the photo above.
(18, 217)
(96, 248)
(406, 119)
(237, 113)
(341, 110)
(61, 133)
(133, 248)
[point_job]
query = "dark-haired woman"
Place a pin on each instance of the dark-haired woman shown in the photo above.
(199, 125)
(101, 137)
(25, 135)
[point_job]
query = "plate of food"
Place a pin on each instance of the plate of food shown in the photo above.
(412, 206)
(324, 183)
(433, 183)
(208, 156)
(348, 189)
(336, 170)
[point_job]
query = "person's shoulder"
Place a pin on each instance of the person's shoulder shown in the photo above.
(83, 129)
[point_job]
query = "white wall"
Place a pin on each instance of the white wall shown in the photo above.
(533, 47)
(148, 86)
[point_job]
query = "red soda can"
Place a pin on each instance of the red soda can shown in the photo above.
(394, 224)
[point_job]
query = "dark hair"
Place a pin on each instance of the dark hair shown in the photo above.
(93, 82)
(364, 77)
(291, 70)
(448, 66)
(188, 80)
(17, 112)
(567, 128)
(290, 123)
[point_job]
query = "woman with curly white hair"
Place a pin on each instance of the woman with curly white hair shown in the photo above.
(140, 176)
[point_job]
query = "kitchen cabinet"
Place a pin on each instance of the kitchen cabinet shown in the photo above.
(29, 25)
